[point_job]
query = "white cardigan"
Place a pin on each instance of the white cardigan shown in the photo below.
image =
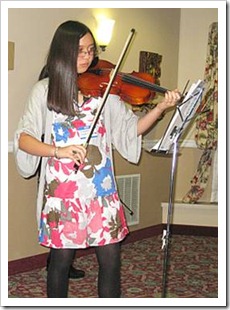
(120, 122)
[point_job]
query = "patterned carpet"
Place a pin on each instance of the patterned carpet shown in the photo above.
(192, 271)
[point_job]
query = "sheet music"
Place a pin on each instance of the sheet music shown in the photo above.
(181, 117)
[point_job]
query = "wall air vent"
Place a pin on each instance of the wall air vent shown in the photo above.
(129, 192)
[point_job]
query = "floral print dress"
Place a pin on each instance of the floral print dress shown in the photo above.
(82, 208)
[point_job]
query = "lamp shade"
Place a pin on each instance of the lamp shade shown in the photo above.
(104, 31)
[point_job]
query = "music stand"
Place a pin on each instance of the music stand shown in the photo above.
(168, 144)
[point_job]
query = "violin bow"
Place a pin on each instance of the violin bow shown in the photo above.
(106, 93)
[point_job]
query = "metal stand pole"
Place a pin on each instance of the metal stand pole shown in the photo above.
(166, 233)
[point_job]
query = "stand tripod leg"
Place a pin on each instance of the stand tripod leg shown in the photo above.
(165, 263)
(166, 233)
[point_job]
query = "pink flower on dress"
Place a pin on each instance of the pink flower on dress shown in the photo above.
(101, 130)
(53, 225)
(116, 196)
(55, 238)
(67, 168)
(78, 123)
(72, 232)
(96, 221)
(71, 133)
(102, 242)
(66, 190)
(56, 165)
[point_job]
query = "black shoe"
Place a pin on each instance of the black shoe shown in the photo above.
(73, 273)
(76, 273)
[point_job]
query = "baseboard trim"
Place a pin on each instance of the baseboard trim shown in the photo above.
(39, 261)
(143, 233)
(192, 230)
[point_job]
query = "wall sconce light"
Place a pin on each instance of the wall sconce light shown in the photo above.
(104, 32)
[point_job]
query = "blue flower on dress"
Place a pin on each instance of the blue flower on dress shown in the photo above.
(61, 132)
(42, 231)
(104, 180)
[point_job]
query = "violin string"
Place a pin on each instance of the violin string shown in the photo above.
(134, 80)
(142, 83)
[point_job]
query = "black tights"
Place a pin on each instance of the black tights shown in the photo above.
(108, 257)
(58, 272)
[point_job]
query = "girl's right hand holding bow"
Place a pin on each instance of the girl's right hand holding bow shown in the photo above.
(75, 152)
(33, 146)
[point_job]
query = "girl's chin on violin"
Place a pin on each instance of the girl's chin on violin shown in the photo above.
(83, 67)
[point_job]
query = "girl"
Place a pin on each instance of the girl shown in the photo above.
(78, 209)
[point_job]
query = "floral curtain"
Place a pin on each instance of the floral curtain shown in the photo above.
(207, 122)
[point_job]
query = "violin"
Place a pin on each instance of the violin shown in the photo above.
(135, 88)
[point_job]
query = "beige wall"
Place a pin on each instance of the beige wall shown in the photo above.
(158, 30)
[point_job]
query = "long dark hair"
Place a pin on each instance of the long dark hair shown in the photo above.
(61, 66)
